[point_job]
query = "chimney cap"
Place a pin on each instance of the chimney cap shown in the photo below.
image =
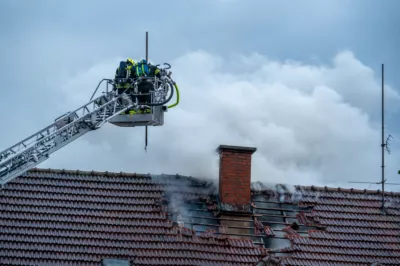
(242, 149)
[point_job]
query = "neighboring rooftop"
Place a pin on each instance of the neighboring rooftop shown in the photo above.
(61, 217)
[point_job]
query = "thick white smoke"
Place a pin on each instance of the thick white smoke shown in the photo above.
(311, 123)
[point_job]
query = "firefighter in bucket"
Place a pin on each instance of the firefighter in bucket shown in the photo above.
(128, 72)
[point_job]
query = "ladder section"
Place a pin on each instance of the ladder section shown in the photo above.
(35, 149)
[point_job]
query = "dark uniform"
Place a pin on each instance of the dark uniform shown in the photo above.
(125, 71)
(145, 69)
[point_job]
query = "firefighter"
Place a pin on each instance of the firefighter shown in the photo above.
(154, 71)
(126, 72)
(144, 86)
(124, 76)
(145, 69)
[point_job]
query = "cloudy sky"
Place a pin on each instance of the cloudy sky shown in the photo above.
(298, 80)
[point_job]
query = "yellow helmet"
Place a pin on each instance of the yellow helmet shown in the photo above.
(130, 60)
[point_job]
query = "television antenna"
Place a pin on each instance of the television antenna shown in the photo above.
(384, 145)
(147, 60)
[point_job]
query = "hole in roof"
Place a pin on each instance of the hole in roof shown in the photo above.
(292, 220)
(198, 205)
(184, 219)
(306, 228)
(205, 221)
(275, 226)
(200, 228)
(276, 243)
(289, 206)
(267, 205)
(265, 211)
(202, 213)
(257, 240)
(303, 234)
(266, 219)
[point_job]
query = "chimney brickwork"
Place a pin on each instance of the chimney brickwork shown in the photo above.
(235, 178)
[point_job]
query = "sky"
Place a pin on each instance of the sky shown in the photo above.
(298, 80)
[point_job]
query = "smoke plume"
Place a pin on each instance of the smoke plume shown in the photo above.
(312, 124)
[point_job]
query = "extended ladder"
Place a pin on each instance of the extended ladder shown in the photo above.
(35, 149)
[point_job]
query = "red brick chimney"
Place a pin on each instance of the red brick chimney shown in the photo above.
(235, 178)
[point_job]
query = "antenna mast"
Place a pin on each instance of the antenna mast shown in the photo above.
(383, 145)
(147, 60)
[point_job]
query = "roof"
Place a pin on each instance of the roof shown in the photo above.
(64, 217)
(51, 217)
(335, 226)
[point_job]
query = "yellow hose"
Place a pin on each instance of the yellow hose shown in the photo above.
(177, 96)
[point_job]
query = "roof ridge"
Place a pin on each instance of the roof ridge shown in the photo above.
(346, 190)
(300, 188)
(105, 173)
(84, 172)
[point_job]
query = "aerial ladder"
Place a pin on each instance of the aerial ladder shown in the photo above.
(110, 107)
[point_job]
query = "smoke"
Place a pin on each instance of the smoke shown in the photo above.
(182, 196)
(280, 192)
(311, 124)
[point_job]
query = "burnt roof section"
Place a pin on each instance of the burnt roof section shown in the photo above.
(330, 226)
